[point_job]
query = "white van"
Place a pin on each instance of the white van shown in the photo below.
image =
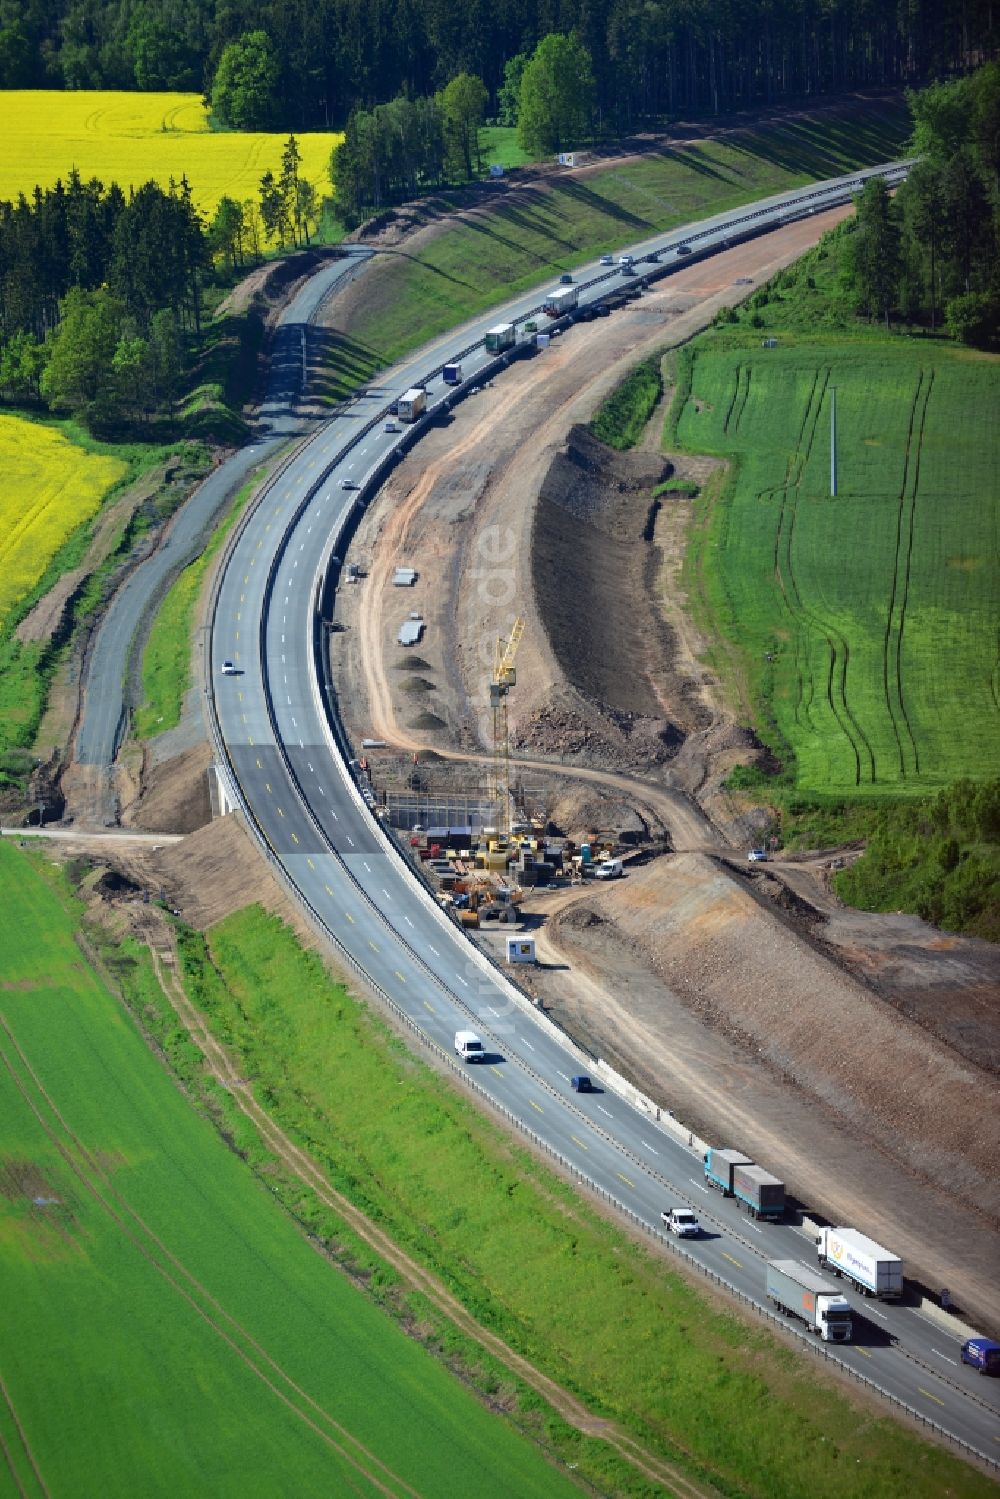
(469, 1047)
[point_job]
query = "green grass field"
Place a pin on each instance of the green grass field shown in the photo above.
(528, 1256)
(513, 246)
(866, 624)
(166, 1328)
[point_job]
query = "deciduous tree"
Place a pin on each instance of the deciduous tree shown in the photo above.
(556, 99)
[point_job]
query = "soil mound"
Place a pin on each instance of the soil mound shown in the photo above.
(594, 569)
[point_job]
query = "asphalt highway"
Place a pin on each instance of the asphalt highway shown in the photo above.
(273, 727)
(103, 719)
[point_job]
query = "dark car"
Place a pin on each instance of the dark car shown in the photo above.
(684, 249)
(581, 1084)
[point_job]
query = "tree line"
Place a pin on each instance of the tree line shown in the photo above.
(408, 146)
(283, 66)
(931, 253)
(101, 291)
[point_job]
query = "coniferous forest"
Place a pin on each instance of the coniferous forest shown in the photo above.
(313, 64)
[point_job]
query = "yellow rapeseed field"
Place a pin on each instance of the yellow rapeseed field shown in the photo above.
(130, 138)
(49, 487)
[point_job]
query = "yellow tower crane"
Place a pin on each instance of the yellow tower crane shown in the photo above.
(503, 679)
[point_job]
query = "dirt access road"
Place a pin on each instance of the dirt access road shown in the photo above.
(719, 992)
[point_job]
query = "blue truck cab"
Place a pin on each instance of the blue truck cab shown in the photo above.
(983, 1354)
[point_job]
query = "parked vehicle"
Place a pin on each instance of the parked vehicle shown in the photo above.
(564, 299)
(412, 404)
(719, 1167)
(874, 1270)
(469, 1047)
(983, 1354)
(682, 1222)
(609, 869)
(757, 856)
(452, 374)
(581, 1083)
(762, 1194)
(500, 338)
(796, 1289)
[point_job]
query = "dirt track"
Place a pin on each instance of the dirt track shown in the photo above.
(720, 997)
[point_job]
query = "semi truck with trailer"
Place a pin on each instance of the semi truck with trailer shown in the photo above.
(500, 338)
(762, 1194)
(564, 299)
(719, 1167)
(874, 1270)
(798, 1290)
(411, 404)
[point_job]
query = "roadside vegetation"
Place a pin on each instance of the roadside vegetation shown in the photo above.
(166, 660)
(595, 1310)
(237, 1359)
(623, 417)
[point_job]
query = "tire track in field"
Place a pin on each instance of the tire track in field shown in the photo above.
(835, 686)
(159, 941)
(95, 1180)
(733, 398)
(904, 556)
(25, 1446)
(741, 404)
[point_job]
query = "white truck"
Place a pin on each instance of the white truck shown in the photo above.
(564, 299)
(469, 1047)
(682, 1222)
(609, 869)
(412, 404)
(874, 1270)
(796, 1289)
(502, 337)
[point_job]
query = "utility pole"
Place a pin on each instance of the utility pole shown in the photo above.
(833, 442)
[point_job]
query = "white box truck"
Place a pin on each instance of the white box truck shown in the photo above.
(564, 299)
(874, 1270)
(500, 338)
(796, 1289)
(411, 404)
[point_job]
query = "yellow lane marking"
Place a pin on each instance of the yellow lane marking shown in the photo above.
(259, 766)
(863, 1352)
(372, 945)
(280, 813)
(346, 913)
(250, 742)
(295, 838)
(327, 889)
(244, 718)
(580, 1143)
(238, 616)
(310, 862)
(625, 1179)
(534, 1105)
(242, 598)
(237, 637)
(729, 1257)
(496, 1070)
(399, 975)
(247, 578)
(430, 1007)
(240, 696)
(929, 1395)
(268, 785)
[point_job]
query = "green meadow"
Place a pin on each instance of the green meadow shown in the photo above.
(865, 626)
(167, 1329)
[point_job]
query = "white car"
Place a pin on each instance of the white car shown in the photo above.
(228, 669)
(682, 1222)
(349, 484)
(757, 856)
(607, 260)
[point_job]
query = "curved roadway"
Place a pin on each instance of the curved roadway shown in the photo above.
(273, 734)
(104, 713)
